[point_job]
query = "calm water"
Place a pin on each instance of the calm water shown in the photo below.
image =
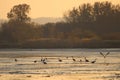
(59, 52)
(108, 66)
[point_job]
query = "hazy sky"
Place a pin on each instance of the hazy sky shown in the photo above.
(45, 8)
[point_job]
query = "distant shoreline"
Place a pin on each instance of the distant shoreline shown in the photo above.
(61, 44)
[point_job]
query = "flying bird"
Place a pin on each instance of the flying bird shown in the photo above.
(104, 55)
(107, 53)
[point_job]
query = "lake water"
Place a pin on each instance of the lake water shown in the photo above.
(59, 52)
(109, 66)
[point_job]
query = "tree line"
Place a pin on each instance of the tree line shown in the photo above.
(88, 26)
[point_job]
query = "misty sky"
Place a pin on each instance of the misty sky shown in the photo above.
(45, 8)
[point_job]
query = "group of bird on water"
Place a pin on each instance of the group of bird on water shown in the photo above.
(44, 60)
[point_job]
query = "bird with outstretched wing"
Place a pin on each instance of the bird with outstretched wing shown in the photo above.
(102, 54)
(106, 54)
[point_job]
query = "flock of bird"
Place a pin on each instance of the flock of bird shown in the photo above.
(44, 60)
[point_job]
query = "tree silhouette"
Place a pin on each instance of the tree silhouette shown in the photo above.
(88, 25)
(80, 15)
(102, 12)
(18, 28)
(85, 13)
(19, 13)
(72, 16)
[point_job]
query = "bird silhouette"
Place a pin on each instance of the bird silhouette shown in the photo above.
(16, 60)
(41, 59)
(94, 61)
(35, 61)
(107, 53)
(80, 60)
(104, 55)
(73, 59)
(44, 62)
(60, 60)
(86, 60)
